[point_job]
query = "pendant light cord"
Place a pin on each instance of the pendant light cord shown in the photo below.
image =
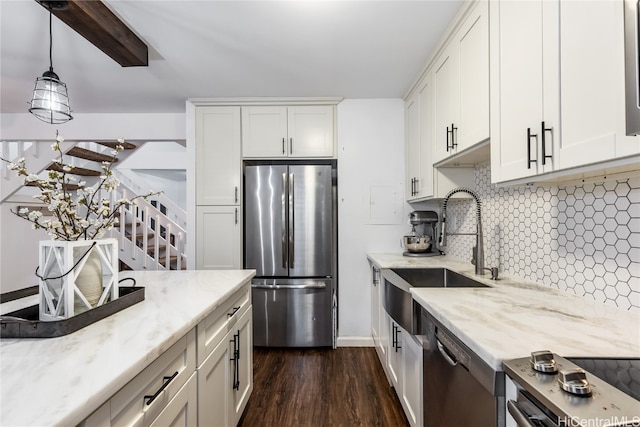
(50, 41)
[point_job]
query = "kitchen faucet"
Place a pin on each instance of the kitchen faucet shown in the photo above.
(478, 249)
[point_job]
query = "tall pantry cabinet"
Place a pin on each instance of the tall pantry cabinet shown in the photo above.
(218, 188)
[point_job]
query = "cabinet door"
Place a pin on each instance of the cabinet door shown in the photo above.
(384, 343)
(472, 44)
(182, 410)
(375, 305)
(395, 354)
(214, 387)
(412, 144)
(445, 86)
(425, 96)
(516, 79)
(244, 371)
(264, 131)
(412, 379)
(218, 230)
(591, 84)
(311, 131)
(218, 159)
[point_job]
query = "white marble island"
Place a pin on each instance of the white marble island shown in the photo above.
(512, 318)
(61, 381)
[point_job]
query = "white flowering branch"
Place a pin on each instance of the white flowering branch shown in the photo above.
(90, 215)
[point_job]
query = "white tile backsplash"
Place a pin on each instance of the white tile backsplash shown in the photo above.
(583, 239)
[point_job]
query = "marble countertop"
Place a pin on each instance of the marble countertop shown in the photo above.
(61, 381)
(513, 317)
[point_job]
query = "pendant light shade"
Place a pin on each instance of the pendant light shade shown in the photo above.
(50, 101)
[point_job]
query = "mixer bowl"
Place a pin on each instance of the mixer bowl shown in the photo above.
(417, 244)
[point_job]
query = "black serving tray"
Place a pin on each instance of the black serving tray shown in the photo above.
(25, 323)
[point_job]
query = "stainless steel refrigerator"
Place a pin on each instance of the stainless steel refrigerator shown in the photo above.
(290, 240)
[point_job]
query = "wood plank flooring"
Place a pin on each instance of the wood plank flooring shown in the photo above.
(321, 387)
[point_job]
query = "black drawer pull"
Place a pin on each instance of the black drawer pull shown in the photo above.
(166, 380)
(529, 136)
(235, 310)
(544, 143)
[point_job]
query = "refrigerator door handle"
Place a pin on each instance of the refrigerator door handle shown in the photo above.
(283, 238)
(305, 286)
(291, 221)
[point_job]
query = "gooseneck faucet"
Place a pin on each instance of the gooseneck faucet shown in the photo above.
(478, 250)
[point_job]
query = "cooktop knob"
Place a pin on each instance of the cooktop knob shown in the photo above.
(543, 361)
(574, 381)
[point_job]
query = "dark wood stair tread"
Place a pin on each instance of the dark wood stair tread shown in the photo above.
(83, 153)
(113, 144)
(74, 170)
(66, 186)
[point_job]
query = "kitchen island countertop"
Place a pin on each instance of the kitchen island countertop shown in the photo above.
(514, 317)
(61, 381)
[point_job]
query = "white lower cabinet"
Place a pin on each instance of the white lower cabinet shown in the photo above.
(225, 378)
(404, 368)
(180, 389)
(411, 397)
(219, 241)
(394, 364)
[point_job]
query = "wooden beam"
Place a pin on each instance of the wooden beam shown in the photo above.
(93, 20)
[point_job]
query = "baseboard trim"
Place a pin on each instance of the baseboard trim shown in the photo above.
(354, 342)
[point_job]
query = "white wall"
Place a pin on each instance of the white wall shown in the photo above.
(88, 127)
(370, 169)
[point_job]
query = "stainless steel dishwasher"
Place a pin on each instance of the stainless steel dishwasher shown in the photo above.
(459, 388)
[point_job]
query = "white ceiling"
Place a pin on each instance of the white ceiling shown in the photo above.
(202, 49)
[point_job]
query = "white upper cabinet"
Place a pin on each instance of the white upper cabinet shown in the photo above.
(461, 87)
(557, 78)
(412, 150)
(288, 131)
(264, 131)
(218, 160)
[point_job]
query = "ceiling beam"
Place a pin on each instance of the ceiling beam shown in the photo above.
(94, 21)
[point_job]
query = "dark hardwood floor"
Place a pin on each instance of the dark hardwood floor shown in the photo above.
(321, 387)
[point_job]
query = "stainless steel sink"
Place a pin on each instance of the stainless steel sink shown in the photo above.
(436, 278)
(397, 300)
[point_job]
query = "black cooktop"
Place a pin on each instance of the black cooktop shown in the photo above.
(623, 374)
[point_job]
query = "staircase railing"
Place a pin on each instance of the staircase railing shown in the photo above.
(174, 212)
(148, 239)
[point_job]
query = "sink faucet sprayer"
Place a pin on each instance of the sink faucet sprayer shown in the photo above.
(478, 250)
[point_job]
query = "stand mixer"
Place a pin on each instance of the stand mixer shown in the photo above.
(420, 242)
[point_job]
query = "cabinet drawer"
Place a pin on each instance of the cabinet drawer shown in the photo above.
(182, 410)
(132, 406)
(214, 327)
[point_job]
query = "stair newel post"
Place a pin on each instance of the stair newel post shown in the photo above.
(167, 238)
(156, 241)
(180, 248)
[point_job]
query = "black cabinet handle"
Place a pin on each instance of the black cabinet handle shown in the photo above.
(236, 194)
(283, 142)
(290, 145)
(236, 357)
(544, 143)
(235, 310)
(454, 144)
(529, 159)
(167, 380)
(394, 339)
(448, 138)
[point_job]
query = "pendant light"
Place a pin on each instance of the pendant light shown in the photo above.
(50, 102)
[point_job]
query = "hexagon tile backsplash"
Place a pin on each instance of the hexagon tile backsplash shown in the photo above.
(583, 239)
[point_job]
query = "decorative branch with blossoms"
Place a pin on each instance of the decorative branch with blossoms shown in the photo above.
(83, 214)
